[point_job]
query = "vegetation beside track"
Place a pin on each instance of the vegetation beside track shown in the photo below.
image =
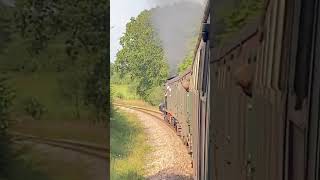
(128, 146)
(188, 59)
(124, 91)
(140, 64)
(56, 64)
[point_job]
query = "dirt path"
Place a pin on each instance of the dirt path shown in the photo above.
(169, 158)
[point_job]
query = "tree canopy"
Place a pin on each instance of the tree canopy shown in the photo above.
(188, 59)
(237, 17)
(141, 56)
(79, 28)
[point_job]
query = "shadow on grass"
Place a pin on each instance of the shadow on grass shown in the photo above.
(20, 169)
(128, 146)
(123, 133)
(169, 176)
(131, 175)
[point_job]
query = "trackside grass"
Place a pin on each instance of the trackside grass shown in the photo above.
(123, 91)
(128, 147)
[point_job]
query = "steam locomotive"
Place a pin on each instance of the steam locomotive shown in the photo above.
(248, 109)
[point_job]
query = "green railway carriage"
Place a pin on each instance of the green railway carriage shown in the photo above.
(186, 102)
(248, 109)
(177, 109)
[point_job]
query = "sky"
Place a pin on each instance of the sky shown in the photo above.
(121, 11)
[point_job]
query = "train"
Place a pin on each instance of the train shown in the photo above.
(248, 109)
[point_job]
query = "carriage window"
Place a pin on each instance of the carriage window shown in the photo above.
(205, 68)
(197, 70)
(200, 68)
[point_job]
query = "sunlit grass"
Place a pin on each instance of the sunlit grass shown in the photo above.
(59, 120)
(128, 147)
(123, 91)
(43, 86)
(139, 103)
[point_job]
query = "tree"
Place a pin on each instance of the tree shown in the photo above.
(188, 60)
(83, 24)
(6, 97)
(5, 25)
(71, 89)
(238, 17)
(141, 56)
(97, 91)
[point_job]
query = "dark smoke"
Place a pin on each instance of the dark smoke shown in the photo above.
(177, 24)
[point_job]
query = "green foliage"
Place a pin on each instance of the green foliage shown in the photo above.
(5, 26)
(6, 98)
(97, 91)
(72, 89)
(238, 17)
(187, 63)
(83, 22)
(117, 78)
(188, 60)
(64, 38)
(124, 91)
(34, 108)
(83, 26)
(46, 87)
(141, 56)
(155, 96)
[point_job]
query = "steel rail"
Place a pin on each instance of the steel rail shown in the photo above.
(85, 148)
(152, 113)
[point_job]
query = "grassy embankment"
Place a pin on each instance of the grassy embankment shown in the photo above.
(122, 93)
(128, 146)
(128, 141)
(58, 121)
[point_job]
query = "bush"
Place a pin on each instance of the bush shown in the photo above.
(6, 98)
(34, 108)
(120, 95)
(156, 96)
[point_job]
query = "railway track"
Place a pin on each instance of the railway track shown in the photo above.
(84, 148)
(159, 116)
(156, 114)
(150, 112)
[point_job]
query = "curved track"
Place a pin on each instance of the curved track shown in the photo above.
(169, 158)
(85, 148)
(156, 114)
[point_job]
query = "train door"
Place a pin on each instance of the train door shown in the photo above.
(303, 97)
(203, 113)
(195, 117)
(313, 172)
